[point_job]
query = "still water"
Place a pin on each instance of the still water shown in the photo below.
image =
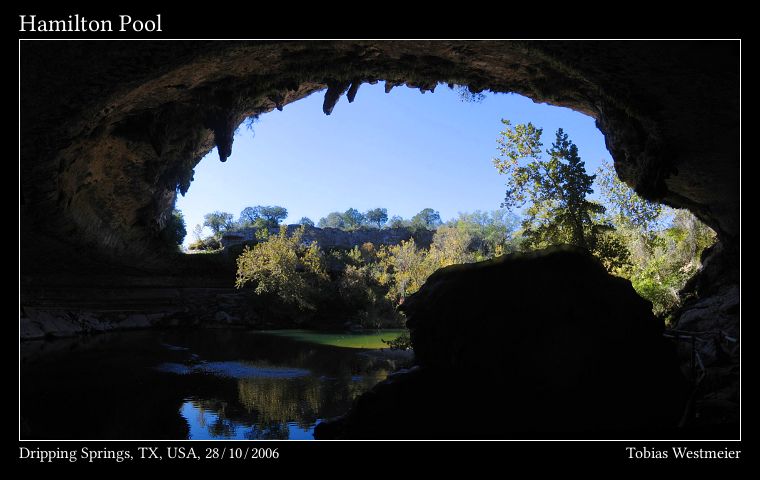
(197, 384)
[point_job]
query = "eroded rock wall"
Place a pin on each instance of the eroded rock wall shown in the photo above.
(329, 238)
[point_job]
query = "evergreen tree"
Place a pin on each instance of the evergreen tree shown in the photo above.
(555, 188)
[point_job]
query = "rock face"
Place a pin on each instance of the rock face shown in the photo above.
(524, 346)
(58, 314)
(328, 238)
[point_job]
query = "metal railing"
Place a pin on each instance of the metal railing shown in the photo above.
(697, 366)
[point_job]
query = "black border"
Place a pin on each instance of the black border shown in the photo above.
(503, 20)
(403, 21)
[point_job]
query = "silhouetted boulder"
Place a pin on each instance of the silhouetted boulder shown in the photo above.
(540, 345)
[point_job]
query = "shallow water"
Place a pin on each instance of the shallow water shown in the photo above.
(369, 339)
(197, 384)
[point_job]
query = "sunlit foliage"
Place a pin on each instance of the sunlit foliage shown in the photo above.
(283, 266)
(491, 233)
(623, 203)
(403, 269)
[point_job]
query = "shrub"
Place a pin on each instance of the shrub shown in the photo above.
(282, 266)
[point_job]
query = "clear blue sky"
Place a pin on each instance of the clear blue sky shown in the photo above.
(404, 151)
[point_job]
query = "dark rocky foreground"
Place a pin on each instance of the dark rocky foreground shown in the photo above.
(540, 345)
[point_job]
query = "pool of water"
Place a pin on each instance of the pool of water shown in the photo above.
(197, 384)
(369, 339)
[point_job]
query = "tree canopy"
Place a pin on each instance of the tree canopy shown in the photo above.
(282, 266)
(262, 216)
(427, 218)
(491, 232)
(332, 220)
(377, 216)
(352, 219)
(397, 221)
(218, 222)
(624, 202)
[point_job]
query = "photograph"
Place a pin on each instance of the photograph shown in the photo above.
(332, 241)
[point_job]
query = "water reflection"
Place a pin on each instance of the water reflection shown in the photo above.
(208, 420)
(274, 402)
(191, 384)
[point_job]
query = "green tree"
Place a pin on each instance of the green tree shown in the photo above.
(332, 220)
(198, 232)
(272, 215)
(281, 265)
(352, 219)
(691, 235)
(398, 222)
(556, 188)
(450, 246)
(377, 216)
(174, 231)
(306, 221)
(667, 259)
(365, 296)
(403, 269)
(201, 243)
(492, 233)
(623, 202)
(262, 216)
(665, 245)
(248, 216)
(218, 222)
(427, 218)
(612, 249)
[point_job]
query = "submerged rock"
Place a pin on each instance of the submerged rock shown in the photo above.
(541, 345)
